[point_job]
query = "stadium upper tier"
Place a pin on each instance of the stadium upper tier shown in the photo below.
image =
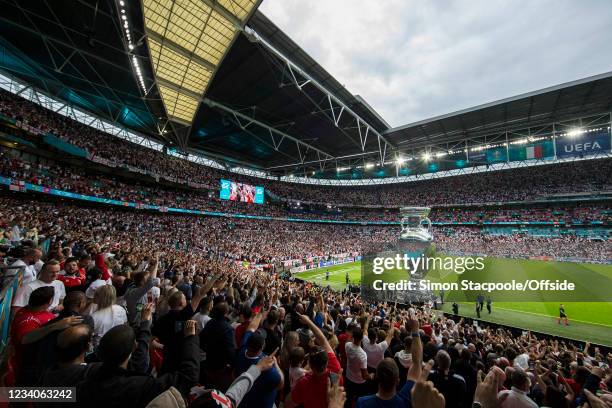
(267, 105)
(91, 145)
(102, 185)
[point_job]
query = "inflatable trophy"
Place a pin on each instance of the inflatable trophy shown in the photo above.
(416, 237)
(416, 240)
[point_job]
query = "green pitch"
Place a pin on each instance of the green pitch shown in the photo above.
(589, 321)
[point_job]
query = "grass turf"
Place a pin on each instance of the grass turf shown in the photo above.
(589, 321)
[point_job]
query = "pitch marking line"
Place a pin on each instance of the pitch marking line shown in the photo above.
(546, 315)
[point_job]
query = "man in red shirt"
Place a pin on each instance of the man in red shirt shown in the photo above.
(72, 276)
(311, 390)
(28, 318)
(245, 317)
(426, 327)
(100, 259)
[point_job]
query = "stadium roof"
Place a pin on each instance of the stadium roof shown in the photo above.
(582, 98)
(187, 41)
(152, 69)
(234, 87)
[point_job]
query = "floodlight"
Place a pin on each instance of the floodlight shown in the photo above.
(575, 132)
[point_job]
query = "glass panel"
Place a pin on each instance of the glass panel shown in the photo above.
(198, 29)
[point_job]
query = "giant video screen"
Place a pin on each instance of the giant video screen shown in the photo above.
(230, 190)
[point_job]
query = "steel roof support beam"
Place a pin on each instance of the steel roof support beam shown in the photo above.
(49, 41)
(274, 145)
(284, 135)
(382, 147)
(65, 44)
(338, 158)
(363, 137)
(25, 88)
(213, 4)
(511, 127)
(325, 111)
(142, 140)
(253, 35)
(495, 137)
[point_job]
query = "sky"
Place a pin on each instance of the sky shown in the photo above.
(413, 60)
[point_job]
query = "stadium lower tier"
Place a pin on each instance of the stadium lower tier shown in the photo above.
(217, 270)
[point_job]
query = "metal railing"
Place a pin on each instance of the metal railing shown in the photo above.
(10, 283)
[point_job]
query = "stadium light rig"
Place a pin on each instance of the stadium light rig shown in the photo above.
(426, 156)
(128, 36)
(575, 132)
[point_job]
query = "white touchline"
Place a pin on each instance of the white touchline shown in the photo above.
(545, 315)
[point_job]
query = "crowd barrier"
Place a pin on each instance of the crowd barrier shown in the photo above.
(10, 283)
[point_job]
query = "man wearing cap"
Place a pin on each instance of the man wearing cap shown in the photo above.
(263, 393)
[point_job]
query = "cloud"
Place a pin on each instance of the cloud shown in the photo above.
(412, 60)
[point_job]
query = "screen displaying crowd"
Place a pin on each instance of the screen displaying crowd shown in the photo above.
(246, 193)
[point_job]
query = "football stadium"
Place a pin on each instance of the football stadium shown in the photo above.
(247, 204)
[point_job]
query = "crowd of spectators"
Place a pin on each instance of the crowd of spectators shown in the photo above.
(264, 241)
(467, 241)
(581, 213)
(104, 145)
(524, 183)
(259, 241)
(137, 309)
(58, 175)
